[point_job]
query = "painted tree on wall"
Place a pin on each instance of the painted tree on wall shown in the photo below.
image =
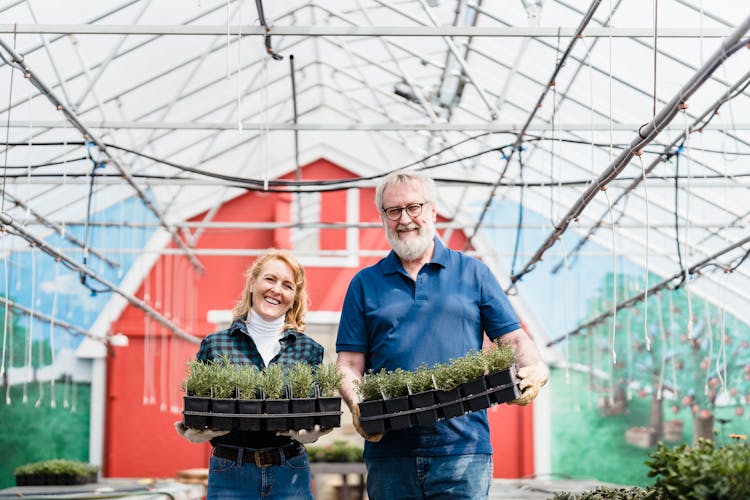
(654, 351)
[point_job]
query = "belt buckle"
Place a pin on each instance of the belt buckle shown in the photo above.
(259, 456)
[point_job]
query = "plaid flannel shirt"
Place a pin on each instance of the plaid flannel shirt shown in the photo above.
(237, 344)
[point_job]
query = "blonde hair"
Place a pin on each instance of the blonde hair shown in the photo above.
(295, 316)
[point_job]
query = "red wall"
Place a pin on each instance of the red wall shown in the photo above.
(139, 438)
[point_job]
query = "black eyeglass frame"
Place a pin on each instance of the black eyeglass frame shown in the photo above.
(394, 213)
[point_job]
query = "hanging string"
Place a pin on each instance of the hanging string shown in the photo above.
(7, 130)
(673, 357)
(646, 337)
(74, 394)
(6, 307)
(656, 53)
(263, 134)
(686, 243)
(724, 134)
(149, 397)
(239, 70)
(52, 400)
(721, 368)
(614, 276)
(30, 336)
(229, 41)
(566, 319)
(710, 346)
(629, 337)
(664, 353)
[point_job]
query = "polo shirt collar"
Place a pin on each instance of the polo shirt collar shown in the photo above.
(392, 264)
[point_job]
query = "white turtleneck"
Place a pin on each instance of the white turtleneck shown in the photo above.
(265, 334)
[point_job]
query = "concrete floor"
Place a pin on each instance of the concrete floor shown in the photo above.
(538, 489)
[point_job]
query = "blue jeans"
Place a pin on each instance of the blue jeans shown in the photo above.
(229, 480)
(448, 477)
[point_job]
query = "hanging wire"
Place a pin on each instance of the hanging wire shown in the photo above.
(614, 279)
(646, 266)
(664, 351)
(52, 400)
(673, 357)
(7, 125)
(686, 244)
(706, 363)
(5, 257)
(30, 335)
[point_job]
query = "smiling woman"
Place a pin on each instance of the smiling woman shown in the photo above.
(267, 333)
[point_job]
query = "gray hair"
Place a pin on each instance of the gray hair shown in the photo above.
(395, 178)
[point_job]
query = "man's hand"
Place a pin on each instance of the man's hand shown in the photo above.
(531, 379)
(197, 435)
(373, 438)
(306, 436)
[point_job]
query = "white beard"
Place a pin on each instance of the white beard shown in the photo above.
(412, 249)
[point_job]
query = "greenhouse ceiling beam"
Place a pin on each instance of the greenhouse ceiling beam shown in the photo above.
(208, 225)
(78, 268)
(639, 297)
(50, 319)
(645, 135)
(520, 137)
(362, 31)
(66, 235)
(377, 126)
(71, 116)
(667, 152)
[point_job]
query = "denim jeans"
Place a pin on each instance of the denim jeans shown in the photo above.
(229, 480)
(448, 477)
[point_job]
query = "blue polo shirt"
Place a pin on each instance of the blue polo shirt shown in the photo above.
(399, 322)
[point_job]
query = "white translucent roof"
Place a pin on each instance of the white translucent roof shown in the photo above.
(544, 102)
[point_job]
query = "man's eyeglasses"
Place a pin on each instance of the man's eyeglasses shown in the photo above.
(412, 210)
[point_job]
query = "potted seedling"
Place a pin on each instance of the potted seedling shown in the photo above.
(248, 403)
(446, 380)
(55, 472)
(370, 392)
(197, 399)
(328, 380)
(301, 383)
(422, 395)
(470, 369)
(224, 386)
(272, 385)
(396, 400)
(501, 373)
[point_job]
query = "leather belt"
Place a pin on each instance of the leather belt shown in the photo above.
(264, 457)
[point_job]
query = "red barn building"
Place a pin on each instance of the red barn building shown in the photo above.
(143, 395)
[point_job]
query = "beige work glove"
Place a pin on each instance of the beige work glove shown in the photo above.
(531, 379)
(305, 436)
(197, 435)
(373, 438)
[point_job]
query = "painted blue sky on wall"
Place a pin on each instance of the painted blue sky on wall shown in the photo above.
(37, 281)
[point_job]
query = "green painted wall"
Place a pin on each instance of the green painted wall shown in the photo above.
(31, 434)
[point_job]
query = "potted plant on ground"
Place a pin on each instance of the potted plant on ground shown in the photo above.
(272, 385)
(328, 380)
(301, 382)
(55, 472)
